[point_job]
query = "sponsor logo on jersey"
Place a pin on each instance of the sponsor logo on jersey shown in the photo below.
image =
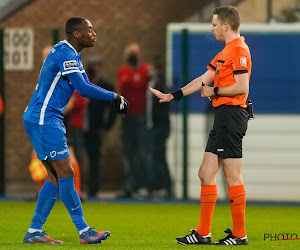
(70, 65)
(62, 152)
(54, 153)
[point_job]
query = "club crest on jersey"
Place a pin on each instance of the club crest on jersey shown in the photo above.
(70, 65)
(218, 69)
(53, 154)
(242, 61)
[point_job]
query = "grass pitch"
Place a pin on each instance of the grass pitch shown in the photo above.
(146, 226)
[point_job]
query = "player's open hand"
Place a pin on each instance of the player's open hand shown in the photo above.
(161, 96)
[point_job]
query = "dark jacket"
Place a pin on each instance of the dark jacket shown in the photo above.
(100, 114)
(157, 114)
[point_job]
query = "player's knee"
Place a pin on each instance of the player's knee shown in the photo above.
(64, 168)
(67, 172)
(52, 179)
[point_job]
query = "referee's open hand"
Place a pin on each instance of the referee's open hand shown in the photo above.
(161, 96)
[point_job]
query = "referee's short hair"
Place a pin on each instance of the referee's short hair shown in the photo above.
(73, 24)
(228, 14)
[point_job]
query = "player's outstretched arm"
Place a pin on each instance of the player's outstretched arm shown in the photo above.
(88, 90)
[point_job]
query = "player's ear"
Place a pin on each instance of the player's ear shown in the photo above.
(76, 34)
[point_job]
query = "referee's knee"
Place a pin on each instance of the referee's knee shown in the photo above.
(234, 181)
(206, 177)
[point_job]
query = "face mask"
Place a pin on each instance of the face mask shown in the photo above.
(132, 59)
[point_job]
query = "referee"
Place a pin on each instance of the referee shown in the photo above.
(230, 71)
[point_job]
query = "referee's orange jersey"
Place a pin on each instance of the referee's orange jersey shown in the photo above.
(235, 58)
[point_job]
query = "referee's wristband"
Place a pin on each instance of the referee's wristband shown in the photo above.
(177, 95)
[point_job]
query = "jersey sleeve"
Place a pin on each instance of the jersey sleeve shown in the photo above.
(240, 61)
(67, 61)
(82, 70)
(89, 90)
(213, 64)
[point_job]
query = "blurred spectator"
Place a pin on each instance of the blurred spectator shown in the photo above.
(39, 173)
(76, 123)
(36, 167)
(1, 118)
(1, 106)
(100, 117)
(157, 132)
(75, 163)
(133, 78)
(45, 52)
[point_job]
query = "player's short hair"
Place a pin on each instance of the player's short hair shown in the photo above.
(230, 15)
(74, 24)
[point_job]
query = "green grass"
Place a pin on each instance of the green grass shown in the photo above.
(146, 226)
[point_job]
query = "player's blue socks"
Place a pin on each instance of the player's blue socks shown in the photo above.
(72, 202)
(45, 202)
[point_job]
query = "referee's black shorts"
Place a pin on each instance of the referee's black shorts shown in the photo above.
(230, 126)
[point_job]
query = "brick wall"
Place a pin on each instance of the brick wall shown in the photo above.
(116, 23)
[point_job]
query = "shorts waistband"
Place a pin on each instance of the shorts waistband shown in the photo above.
(229, 106)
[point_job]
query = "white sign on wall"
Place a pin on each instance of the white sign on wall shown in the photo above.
(18, 49)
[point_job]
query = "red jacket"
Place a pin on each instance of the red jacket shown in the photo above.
(77, 115)
(1, 105)
(133, 83)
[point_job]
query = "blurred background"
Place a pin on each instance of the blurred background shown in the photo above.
(177, 33)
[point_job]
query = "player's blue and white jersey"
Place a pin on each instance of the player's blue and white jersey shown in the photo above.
(53, 90)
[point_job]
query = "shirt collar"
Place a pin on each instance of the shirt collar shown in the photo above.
(70, 45)
(236, 39)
